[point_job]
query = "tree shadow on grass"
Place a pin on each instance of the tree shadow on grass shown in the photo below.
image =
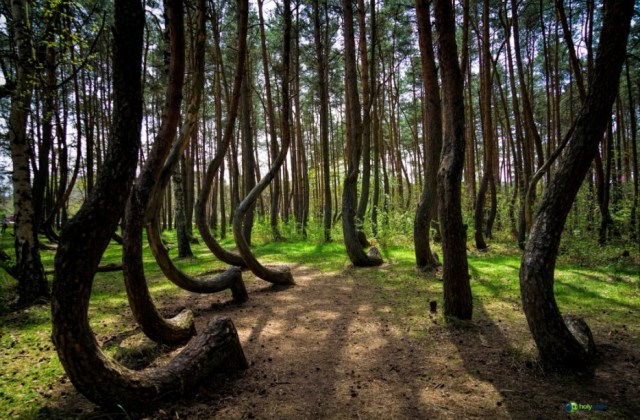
(336, 346)
(495, 354)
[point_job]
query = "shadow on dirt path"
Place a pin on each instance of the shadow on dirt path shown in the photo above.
(334, 347)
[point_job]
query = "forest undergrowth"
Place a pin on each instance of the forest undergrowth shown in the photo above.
(325, 333)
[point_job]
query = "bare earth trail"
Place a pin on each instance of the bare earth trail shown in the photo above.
(332, 347)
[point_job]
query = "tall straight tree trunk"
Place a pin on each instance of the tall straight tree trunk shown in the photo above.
(557, 344)
(633, 222)
(457, 291)
(487, 129)
(41, 175)
(605, 220)
(354, 149)
(522, 161)
(375, 199)
(428, 201)
(302, 170)
(531, 135)
(248, 162)
(323, 92)
(182, 231)
(32, 282)
(368, 88)
(273, 140)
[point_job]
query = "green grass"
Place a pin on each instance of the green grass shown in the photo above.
(604, 288)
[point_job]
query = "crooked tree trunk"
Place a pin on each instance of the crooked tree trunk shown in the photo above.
(557, 346)
(354, 150)
(229, 279)
(279, 275)
(83, 241)
(152, 323)
(457, 291)
(201, 212)
(428, 201)
(32, 282)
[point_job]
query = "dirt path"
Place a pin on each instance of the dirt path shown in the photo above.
(332, 347)
(323, 349)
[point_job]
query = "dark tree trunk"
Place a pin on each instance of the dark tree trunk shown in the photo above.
(201, 219)
(368, 87)
(531, 135)
(248, 163)
(354, 149)
(633, 222)
(83, 241)
(557, 346)
(375, 199)
(605, 214)
(229, 279)
(182, 230)
(457, 291)
(273, 140)
(428, 201)
(487, 129)
(180, 328)
(279, 275)
(323, 92)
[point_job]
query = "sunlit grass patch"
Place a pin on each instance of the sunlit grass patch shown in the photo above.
(605, 291)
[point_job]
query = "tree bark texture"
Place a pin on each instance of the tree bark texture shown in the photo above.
(428, 205)
(84, 239)
(201, 213)
(323, 92)
(354, 149)
(180, 199)
(273, 139)
(368, 87)
(279, 275)
(487, 130)
(248, 163)
(458, 301)
(32, 282)
(152, 323)
(557, 346)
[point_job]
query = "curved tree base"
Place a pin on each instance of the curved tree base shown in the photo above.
(110, 385)
(229, 279)
(84, 240)
(565, 343)
(281, 275)
(362, 238)
(431, 265)
(277, 275)
(375, 259)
